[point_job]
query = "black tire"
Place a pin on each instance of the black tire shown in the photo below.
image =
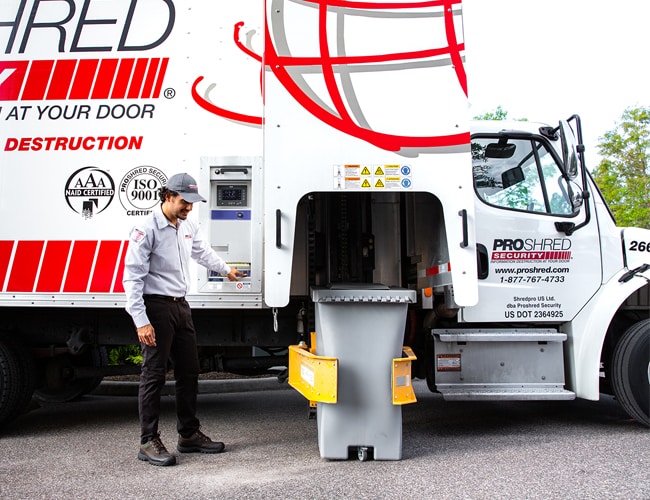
(59, 387)
(100, 358)
(26, 379)
(430, 363)
(9, 383)
(631, 371)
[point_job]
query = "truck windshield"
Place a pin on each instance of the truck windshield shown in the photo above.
(519, 174)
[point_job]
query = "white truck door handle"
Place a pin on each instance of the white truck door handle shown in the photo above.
(465, 242)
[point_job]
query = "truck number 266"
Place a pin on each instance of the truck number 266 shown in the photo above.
(640, 246)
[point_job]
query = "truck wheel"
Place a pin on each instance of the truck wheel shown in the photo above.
(430, 363)
(9, 386)
(26, 379)
(631, 371)
(60, 386)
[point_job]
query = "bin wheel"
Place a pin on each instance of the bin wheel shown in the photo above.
(362, 453)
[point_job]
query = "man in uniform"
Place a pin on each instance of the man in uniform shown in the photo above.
(156, 280)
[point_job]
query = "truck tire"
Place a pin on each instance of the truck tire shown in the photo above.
(9, 383)
(631, 371)
(59, 386)
(26, 378)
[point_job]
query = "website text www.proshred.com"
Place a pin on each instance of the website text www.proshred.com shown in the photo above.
(548, 274)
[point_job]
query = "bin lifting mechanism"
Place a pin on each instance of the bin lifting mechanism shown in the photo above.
(316, 377)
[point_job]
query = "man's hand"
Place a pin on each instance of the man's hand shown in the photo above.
(232, 275)
(147, 335)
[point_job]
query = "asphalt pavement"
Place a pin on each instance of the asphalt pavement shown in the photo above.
(481, 450)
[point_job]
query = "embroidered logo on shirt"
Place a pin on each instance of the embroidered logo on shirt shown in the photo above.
(188, 236)
(137, 236)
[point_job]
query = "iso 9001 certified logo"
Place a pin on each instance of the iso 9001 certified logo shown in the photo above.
(89, 191)
(139, 189)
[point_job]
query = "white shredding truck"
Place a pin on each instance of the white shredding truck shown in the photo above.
(332, 140)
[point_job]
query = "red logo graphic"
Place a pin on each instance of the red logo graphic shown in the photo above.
(337, 68)
(81, 79)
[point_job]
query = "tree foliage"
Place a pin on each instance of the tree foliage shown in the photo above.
(623, 175)
(498, 114)
(125, 355)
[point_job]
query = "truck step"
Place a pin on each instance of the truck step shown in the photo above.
(500, 335)
(473, 393)
(500, 364)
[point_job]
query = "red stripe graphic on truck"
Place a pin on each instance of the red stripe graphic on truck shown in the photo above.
(81, 79)
(56, 266)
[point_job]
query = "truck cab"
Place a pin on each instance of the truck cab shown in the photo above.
(563, 292)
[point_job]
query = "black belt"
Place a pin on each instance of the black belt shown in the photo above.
(165, 297)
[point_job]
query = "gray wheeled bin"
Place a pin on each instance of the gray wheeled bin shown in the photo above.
(362, 326)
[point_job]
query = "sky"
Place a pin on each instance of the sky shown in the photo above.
(547, 60)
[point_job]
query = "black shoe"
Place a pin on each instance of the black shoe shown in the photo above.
(199, 442)
(155, 453)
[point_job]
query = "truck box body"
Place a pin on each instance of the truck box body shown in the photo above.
(102, 103)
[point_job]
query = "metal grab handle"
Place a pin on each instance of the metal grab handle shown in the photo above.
(278, 228)
(225, 170)
(465, 242)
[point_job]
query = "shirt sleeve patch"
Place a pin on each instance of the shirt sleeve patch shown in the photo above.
(137, 235)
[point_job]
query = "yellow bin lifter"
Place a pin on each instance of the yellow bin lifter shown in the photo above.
(316, 377)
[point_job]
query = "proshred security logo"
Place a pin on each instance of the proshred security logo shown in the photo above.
(89, 191)
(75, 27)
(532, 249)
(80, 50)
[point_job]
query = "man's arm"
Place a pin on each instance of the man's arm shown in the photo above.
(136, 268)
(203, 253)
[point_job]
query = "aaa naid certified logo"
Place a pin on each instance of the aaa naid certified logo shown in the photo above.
(89, 191)
(139, 189)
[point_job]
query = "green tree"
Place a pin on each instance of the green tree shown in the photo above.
(623, 175)
(497, 114)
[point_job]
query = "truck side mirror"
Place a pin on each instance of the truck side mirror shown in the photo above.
(569, 150)
(511, 177)
(572, 193)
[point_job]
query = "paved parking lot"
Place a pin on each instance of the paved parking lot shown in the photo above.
(87, 449)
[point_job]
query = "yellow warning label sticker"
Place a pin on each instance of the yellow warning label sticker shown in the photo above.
(386, 177)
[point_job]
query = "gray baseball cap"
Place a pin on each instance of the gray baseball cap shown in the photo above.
(185, 185)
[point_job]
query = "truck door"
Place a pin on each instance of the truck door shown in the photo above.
(528, 269)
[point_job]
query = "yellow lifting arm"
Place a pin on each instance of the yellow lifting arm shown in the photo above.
(402, 387)
(315, 377)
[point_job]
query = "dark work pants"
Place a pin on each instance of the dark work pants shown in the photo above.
(175, 340)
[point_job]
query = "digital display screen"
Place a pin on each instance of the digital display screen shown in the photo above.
(231, 194)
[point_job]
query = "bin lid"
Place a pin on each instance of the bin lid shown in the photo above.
(358, 286)
(363, 292)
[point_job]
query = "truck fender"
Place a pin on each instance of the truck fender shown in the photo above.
(586, 334)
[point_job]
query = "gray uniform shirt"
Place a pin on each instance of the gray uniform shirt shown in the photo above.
(157, 261)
